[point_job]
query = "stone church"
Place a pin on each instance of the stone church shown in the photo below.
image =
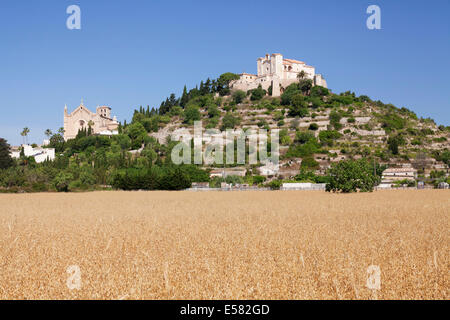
(275, 71)
(101, 122)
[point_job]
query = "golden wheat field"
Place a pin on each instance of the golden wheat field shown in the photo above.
(225, 245)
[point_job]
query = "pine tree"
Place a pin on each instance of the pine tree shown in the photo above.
(172, 101)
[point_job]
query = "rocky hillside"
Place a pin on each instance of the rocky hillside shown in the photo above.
(317, 127)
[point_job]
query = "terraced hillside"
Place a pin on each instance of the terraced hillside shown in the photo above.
(316, 126)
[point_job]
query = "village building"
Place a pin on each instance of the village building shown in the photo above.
(39, 154)
(278, 73)
(200, 185)
(443, 185)
(14, 152)
(391, 175)
(226, 172)
(81, 118)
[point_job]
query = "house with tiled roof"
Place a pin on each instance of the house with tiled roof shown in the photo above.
(391, 175)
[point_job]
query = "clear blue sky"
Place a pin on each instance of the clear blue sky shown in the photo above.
(132, 53)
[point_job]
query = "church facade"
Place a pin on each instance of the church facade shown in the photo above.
(276, 72)
(100, 122)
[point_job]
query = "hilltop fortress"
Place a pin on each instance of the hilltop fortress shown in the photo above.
(278, 73)
(81, 118)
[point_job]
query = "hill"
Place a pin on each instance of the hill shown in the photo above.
(317, 127)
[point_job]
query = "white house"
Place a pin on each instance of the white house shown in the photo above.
(40, 154)
(390, 175)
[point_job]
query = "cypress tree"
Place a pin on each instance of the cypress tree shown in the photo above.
(184, 98)
(5, 158)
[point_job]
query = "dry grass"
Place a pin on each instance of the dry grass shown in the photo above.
(225, 245)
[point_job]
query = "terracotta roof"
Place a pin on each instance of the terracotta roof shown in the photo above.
(294, 61)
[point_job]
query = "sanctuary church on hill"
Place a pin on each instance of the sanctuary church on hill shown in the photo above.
(276, 72)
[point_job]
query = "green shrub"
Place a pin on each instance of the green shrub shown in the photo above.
(257, 180)
(61, 181)
(238, 96)
(303, 137)
(305, 85)
(318, 91)
(392, 121)
(342, 99)
(230, 122)
(262, 123)
(278, 115)
(309, 163)
(275, 184)
(136, 179)
(288, 93)
(351, 176)
(257, 94)
(327, 137)
(175, 180)
(191, 114)
(335, 118)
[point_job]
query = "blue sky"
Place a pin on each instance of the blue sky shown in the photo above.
(132, 53)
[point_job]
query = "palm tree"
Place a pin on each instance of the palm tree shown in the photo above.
(301, 75)
(23, 136)
(61, 131)
(25, 133)
(48, 133)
